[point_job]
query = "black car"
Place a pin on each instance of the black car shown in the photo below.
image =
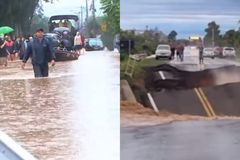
(94, 44)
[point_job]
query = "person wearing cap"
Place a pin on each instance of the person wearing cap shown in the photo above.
(41, 52)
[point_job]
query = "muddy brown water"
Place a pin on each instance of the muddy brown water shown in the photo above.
(73, 114)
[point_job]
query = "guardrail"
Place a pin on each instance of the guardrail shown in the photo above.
(10, 150)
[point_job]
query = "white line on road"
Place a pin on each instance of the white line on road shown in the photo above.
(162, 75)
(153, 103)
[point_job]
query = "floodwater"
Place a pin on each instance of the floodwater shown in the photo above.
(73, 114)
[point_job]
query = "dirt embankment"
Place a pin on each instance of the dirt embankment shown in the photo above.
(134, 114)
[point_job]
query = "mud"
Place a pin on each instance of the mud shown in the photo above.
(134, 114)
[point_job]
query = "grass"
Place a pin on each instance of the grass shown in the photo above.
(137, 80)
(138, 72)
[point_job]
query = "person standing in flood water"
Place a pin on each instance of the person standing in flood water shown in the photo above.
(41, 52)
(10, 47)
(200, 48)
(3, 53)
(78, 43)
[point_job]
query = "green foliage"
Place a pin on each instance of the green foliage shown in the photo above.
(92, 27)
(231, 38)
(112, 9)
(146, 42)
(39, 21)
(18, 14)
(212, 32)
(172, 36)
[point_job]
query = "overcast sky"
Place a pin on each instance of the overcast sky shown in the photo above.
(187, 17)
(68, 7)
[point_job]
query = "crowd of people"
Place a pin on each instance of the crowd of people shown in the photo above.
(62, 23)
(179, 50)
(12, 49)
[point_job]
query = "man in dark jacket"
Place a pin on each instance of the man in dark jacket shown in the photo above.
(41, 52)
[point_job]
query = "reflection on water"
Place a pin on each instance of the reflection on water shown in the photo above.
(72, 115)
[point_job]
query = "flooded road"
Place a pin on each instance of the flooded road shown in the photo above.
(73, 114)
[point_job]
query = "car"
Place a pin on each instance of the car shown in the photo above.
(208, 52)
(228, 52)
(94, 44)
(163, 51)
(218, 51)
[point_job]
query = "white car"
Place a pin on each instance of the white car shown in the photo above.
(163, 51)
(228, 52)
(208, 52)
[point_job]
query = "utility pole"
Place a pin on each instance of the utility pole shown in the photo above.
(81, 13)
(86, 10)
(213, 44)
(93, 9)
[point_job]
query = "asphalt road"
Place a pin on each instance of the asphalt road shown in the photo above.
(192, 140)
(212, 92)
(191, 61)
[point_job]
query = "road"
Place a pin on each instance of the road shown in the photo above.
(188, 140)
(73, 114)
(198, 140)
(191, 61)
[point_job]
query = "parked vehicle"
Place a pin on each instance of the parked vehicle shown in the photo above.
(163, 51)
(228, 52)
(218, 51)
(94, 44)
(208, 52)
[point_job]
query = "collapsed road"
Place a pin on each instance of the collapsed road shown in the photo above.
(188, 88)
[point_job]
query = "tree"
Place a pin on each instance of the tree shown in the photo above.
(39, 21)
(18, 14)
(92, 27)
(147, 41)
(107, 34)
(212, 36)
(112, 9)
(172, 36)
(232, 38)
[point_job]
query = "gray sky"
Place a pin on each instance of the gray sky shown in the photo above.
(68, 7)
(187, 17)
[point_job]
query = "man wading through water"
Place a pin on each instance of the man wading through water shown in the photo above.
(41, 52)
